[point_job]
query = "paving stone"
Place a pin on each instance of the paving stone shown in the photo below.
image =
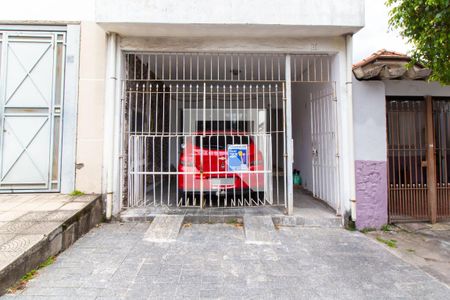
(5, 237)
(27, 226)
(20, 243)
(73, 206)
(11, 215)
(35, 216)
(214, 262)
(164, 229)
(260, 230)
(60, 215)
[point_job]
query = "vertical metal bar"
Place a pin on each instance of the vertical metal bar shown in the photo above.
(277, 182)
(290, 152)
(431, 161)
(177, 136)
(285, 150)
(233, 201)
(217, 138)
(313, 142)
(169, 138)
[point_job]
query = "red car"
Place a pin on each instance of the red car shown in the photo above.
(203, 166)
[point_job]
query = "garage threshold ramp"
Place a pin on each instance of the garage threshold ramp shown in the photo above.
(164, 229)
(260, 230)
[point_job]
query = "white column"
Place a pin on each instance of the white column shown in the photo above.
(108, 144)
(69, 142)
(351, 148)
(289, 141)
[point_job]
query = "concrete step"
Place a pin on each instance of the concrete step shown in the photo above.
(229, 215)
(260, 230)
(164, 228)
(324, 222)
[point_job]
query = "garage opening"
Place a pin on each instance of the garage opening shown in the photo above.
(209, 130)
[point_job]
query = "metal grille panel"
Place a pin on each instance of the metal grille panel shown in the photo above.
(408, 198)
(325, 145)
(409, 195)
(441, 111)
(186, 115)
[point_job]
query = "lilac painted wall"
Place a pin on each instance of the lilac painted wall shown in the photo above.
(371, 194)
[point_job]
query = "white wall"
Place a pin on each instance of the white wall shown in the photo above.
(47, 10)
(369, 116)
(325, 17)
(91, 99)
(415, 88)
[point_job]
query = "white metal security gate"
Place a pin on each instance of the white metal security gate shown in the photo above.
(205, 130)
(187, 116)
(325, 145)
(31, 96)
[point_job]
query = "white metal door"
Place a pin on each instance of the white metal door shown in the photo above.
(31, 92)
(325, 145)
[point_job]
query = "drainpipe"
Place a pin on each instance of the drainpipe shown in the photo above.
(108, 138)
(351, 150)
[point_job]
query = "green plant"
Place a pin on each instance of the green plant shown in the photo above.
(20, 285)
(426, 26)
(410, 250)
(350, 226)
(386, 228)
(367, 229)
(76, 193)
(389, 243)
(232, 221)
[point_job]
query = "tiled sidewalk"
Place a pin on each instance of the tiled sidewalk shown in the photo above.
(34, 227)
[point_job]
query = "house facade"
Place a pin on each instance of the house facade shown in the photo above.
(110, 96)
(402, 140)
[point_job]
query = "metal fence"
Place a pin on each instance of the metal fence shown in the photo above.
(410, 168)
(441, 116)
(406, 152)
(325, 160)
(209, 129)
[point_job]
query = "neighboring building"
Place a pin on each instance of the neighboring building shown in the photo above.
(109, 96)
(402, 142)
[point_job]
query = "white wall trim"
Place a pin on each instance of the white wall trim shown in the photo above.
(320, 45)
(32, 26)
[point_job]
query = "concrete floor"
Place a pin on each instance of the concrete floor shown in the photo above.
(423, 245)
(212, 261)
(305, 205)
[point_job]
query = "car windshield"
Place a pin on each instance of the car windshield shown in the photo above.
(220, 142)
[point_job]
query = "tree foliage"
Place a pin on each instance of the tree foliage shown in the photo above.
(426, 26)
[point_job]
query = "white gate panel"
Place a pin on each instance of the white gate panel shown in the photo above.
(26, 140)
(31, 79)
(325, 145)
(29, 74)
